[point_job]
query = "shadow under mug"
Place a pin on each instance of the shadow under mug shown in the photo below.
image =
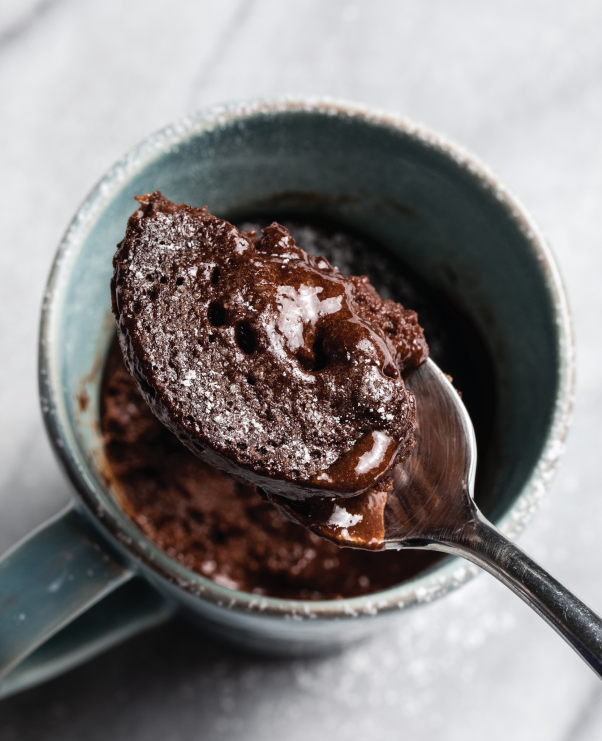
(89, 578)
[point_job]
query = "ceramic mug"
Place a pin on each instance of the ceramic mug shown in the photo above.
(89, 578)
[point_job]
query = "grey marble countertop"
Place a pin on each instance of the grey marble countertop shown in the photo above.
(519, 82)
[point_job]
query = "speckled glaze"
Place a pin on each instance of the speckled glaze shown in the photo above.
(418, 194)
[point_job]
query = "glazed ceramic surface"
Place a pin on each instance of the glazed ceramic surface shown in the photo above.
(422, 198)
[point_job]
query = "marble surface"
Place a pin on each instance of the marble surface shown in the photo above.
(516, 81)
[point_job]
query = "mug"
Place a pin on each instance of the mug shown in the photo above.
(89, 578)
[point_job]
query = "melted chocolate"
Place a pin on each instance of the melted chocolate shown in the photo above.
(356, 520)
(219, 527)
(265, 361)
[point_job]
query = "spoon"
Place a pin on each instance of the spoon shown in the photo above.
(431, 506)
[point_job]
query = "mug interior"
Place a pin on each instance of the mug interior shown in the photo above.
(425, 201)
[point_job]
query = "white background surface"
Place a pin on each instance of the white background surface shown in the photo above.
(517, 81)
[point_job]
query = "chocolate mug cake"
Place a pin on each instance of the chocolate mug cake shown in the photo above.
(203, 517)
(445, 239)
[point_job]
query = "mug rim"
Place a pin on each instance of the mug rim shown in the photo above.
(438, 580)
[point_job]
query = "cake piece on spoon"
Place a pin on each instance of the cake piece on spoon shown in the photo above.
(265, 361)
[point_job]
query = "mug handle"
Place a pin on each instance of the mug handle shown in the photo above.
(64, 599)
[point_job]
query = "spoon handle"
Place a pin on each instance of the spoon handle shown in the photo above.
(484, 545)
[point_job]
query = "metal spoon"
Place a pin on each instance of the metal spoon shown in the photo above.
(432, 507)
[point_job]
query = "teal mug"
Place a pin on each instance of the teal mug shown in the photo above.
(89, 578)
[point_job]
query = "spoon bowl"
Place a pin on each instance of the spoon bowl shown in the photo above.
(433, 490)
